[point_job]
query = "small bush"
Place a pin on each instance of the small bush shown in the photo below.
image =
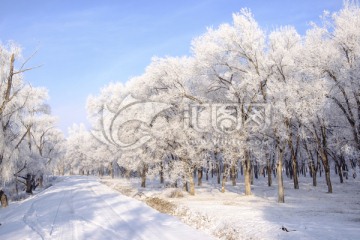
(177, 193)
(19, 197)
(139, 195)
(227, 231)
(195, 219)
(161, 205)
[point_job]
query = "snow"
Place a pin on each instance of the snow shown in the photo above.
(82, 208)
(308, 213)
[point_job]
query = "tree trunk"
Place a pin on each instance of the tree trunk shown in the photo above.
(322, 144)
(269, 172)
(29, 185)
(339, 172)
(336, 167)
(325, 161)
(233, 175)
(252, 170)
(223, 183)
(200, 175)
(62, 170)
(191, 184)
(143, 176)
(281, 195)
(328, 180)
(218, 173)
(295, 170)
(224, 177)
(288, 171)
(247, 170)
(185, 185)
(313, 169)
(41, 181)
(16, 187)
(112, 169)
(293, 151)
(161, 173)
(256, 171)
(3, 199)
(9, 83)
(313, 174)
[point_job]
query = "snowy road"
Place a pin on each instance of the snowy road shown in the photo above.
(82, 208)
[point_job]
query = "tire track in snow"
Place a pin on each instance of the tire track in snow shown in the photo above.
(66, 222)
(114, 234)
(30, 217)
(31, 220)
(56, 214)
(63, 224)
(152, 231)
(70, 230)
(85, 210)
(116, 215)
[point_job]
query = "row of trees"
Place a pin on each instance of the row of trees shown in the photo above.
(245, 101)
(30, 144)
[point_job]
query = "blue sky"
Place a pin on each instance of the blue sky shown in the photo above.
(84, 45)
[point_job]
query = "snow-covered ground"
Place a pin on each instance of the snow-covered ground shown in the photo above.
(309, 213)
(82, 208)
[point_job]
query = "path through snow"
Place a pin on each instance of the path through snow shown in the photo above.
(82, 208)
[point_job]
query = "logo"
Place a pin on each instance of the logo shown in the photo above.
(228, 118)
(128, 127)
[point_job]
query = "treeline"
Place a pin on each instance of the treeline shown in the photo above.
(30, 144)
(245, 101)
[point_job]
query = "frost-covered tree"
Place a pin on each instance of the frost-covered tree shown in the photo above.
(296, 95)
(23, 153)
(245, 101)
(47, 143)
(84, 154)
(232, 60)
(332, 54)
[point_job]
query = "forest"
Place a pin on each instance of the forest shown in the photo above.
(247, 103)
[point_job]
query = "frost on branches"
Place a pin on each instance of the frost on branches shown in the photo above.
(245, 102)
(30, 145)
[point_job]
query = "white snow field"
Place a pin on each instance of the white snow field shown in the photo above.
(82, 208)
(308, 213)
